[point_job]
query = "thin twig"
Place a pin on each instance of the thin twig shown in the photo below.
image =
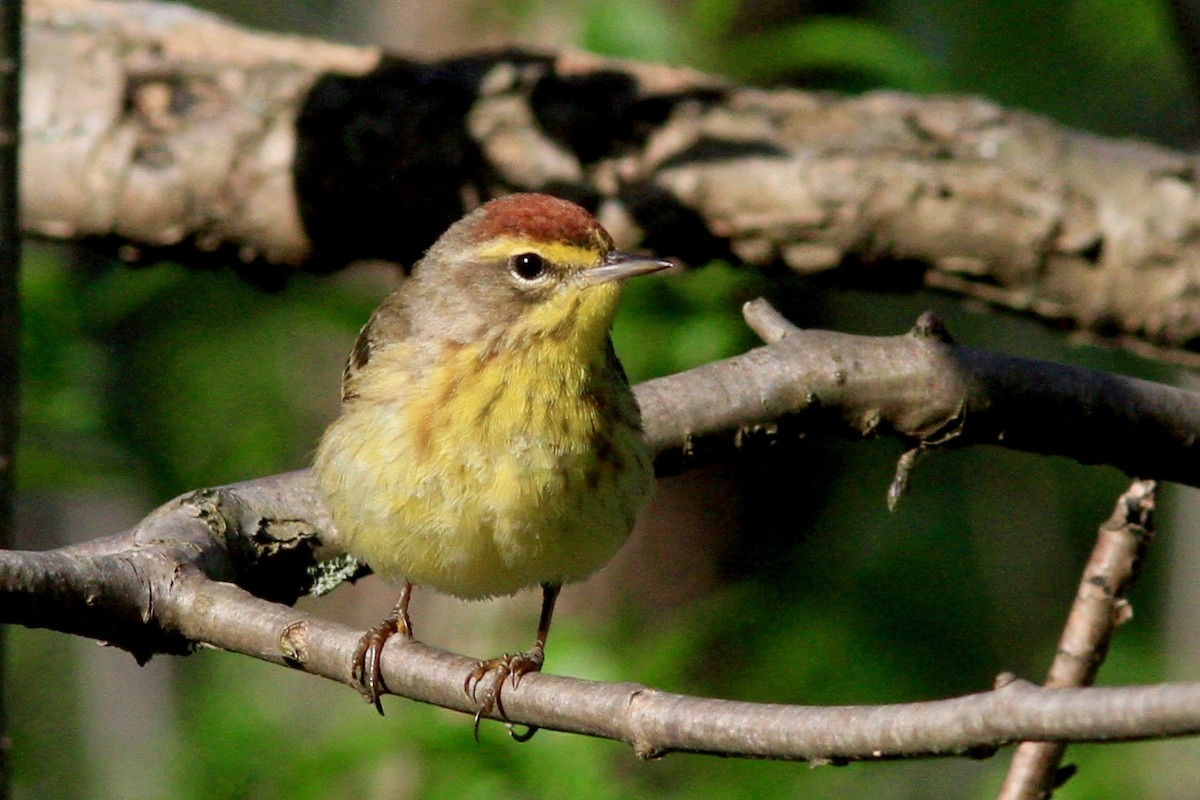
(766, 321)
(1100, 606)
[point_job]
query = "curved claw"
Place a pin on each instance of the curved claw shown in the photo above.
(476, 675)
(365, 670)
(514, 667)
(521, 738)
(511, 667)
(475, 728)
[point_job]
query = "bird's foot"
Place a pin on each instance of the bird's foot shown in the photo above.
(509, 667)
(364, 670)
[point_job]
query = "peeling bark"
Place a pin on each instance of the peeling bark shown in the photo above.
(164, 130)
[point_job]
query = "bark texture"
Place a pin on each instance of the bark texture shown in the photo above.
(1100, 606)
(166, 585)
(155, 126)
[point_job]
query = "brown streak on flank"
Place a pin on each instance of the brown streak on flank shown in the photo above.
(565, 425)
(541, 218)
(489, 405)
(423, 431)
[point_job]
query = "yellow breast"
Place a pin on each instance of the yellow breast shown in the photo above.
(503, 467)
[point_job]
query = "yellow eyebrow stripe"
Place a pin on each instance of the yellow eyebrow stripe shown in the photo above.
(567, 255)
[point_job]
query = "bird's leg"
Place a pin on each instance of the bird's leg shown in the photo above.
(365, 666)
(512, 666)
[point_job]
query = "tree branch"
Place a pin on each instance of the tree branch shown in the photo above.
(180, 600)
(169, 583)
(166, 131)
(1100, 606)
(921, 388)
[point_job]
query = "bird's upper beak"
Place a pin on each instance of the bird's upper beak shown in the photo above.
(618, 266)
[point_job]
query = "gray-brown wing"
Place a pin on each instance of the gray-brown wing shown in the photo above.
(389, 323)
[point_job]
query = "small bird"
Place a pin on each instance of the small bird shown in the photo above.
(489, 440)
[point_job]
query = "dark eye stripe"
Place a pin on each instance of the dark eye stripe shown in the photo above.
(528, 266)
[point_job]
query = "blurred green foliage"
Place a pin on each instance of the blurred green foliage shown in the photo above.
(160, 379)
(705, 34)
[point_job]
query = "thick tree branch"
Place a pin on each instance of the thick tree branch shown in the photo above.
(158, 127)
(181, 601)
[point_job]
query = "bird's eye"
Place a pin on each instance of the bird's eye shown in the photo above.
(528, 266)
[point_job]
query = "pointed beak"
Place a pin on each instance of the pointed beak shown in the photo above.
(618, 266)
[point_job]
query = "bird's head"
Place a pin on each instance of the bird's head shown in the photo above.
(525, 266)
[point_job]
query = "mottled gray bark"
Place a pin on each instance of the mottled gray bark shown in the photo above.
(155, 125)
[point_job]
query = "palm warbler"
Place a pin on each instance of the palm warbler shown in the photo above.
(489, 440)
